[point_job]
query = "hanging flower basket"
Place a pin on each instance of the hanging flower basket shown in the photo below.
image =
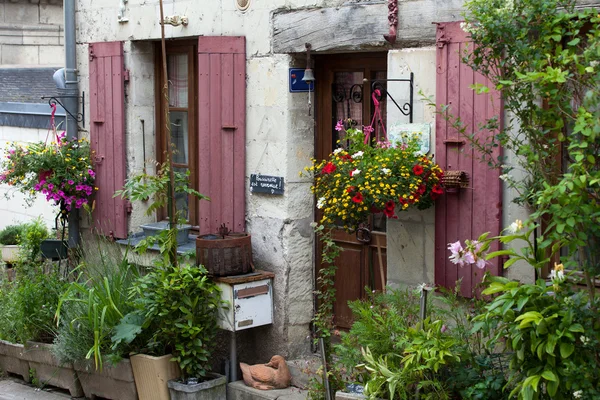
(59, 168)
(366, 176)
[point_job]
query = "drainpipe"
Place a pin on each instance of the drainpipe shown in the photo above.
(71, 100)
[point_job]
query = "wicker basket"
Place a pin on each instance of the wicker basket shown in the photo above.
(454, 180)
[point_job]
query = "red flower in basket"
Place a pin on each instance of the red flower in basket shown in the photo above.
(358, 198)
(43, 175)
(390, 206)
(417, 169)
(328, 168)
(436, 190)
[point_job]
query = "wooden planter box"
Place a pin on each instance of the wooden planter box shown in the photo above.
(10, 252)
(113, 382)
(152, 374)
(48, 371)
(11, 359)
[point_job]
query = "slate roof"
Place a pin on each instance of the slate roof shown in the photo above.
(26, 85)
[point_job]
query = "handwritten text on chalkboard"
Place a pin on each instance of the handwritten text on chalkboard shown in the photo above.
(266, 184)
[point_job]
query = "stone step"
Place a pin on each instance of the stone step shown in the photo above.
(303, 370)
(239, 391)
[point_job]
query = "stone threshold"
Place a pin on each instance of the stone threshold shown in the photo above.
(239, 391)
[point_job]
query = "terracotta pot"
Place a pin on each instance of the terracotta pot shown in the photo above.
(152, 374)
(48, 371)
(113, 382)
(11, 359)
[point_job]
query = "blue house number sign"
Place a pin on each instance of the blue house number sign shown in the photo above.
(297, 85)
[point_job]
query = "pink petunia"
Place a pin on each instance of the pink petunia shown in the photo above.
(339, 126)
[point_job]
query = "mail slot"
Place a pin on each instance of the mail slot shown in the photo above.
(249, 298)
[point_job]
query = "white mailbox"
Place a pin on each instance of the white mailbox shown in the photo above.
(249, 298)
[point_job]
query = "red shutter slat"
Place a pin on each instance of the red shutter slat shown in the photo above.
(473, 211)
(107, 135)
(222, 132)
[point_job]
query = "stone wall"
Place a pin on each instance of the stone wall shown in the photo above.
(31, 33)
(279, 141)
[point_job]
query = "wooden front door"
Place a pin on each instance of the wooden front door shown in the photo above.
(341, 94)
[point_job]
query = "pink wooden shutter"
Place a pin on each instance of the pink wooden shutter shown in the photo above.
(222, 132)
(478, 209)
(107, 135)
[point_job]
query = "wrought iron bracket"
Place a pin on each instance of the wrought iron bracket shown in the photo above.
(406, 108)
(80, 116)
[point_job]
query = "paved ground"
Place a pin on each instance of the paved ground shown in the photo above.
(14, 390)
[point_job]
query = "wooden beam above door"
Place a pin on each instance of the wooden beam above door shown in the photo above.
(354, 27)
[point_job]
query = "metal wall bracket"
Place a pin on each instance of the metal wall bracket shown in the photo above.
(80, 116)
(406, 108)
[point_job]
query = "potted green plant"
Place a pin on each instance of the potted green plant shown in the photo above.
(9, 242)
(88, 313)
(182, 303)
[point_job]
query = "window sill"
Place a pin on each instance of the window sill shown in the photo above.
(136, 238)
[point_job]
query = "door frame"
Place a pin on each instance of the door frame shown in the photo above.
(325, 68)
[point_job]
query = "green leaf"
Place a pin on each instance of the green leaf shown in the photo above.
(576, 328)
(574, 42)
(549, 376)
(566, 349)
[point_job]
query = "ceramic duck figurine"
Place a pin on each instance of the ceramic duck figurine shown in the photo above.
(273, 375)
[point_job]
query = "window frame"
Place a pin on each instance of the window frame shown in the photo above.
(189, 47)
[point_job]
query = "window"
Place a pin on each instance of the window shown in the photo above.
(181, 75)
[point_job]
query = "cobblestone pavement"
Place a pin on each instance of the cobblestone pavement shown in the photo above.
(16, 390)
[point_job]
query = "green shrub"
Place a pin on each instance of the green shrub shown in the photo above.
(179, 306)
(8, 330)
(93, 305)
(11, 235)
(34, 233)
(34, 301)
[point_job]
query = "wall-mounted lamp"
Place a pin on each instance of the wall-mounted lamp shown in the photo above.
(309, 76)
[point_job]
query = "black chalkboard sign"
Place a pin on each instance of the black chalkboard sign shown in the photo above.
(266, 184)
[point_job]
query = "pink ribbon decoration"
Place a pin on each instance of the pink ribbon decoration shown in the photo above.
(376, 115)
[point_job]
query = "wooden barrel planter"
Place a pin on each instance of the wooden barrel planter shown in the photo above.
(225, 255)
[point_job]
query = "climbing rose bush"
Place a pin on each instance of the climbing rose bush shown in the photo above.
(360, 178)
(61, 170)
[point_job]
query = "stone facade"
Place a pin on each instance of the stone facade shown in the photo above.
(31, 33)
(279, 131)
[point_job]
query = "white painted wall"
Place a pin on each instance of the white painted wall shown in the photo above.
(410, 238)
(14, 209)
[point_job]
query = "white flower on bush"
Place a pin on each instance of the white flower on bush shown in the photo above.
(338, 150)
(321, 202)
(386, 171)
(557, 275)
(515, 227)
(358, 154)
(578, 394)
(504, 177)
(355, 172)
